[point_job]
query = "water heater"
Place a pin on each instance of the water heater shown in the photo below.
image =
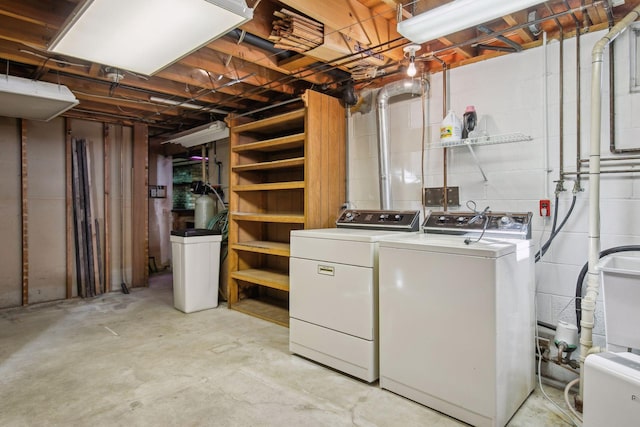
(611, 390)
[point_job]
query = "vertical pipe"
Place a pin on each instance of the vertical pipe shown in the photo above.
(203, 162)
(347, 111)
(578, 106)
(445, 107)
(407, 86)
(593, 275)
(561, 100)
(545, 122)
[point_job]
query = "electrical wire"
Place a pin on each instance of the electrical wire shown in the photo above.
(566, 398)
(554, 231)
(480, 215)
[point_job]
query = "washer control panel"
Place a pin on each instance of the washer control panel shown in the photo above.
(514, 225)
(379, 219)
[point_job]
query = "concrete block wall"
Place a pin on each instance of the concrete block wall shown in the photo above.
(508, 93)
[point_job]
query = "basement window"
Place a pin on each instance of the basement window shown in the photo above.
(634, 35)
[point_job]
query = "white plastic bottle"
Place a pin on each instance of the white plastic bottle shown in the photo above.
(451, 128)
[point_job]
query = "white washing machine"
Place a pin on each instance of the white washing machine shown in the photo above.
(333, 289)
(457, 315)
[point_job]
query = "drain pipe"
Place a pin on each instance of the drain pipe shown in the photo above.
(407, 86)
(593, 275)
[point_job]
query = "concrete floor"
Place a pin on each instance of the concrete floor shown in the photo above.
(133, 360)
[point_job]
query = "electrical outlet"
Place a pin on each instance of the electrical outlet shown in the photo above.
(545, 207)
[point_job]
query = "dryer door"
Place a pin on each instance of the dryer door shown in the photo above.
(336, 296)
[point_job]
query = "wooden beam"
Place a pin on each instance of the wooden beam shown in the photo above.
(180, 73)
(44, 13)
(257, 56)
(249, 73)
(68, 209)
(140, 207)
(25, 211)
(517, 19)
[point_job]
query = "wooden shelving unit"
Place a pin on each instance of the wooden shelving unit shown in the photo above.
(287, 173)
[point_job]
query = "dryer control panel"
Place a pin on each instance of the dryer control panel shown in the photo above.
(511, 225)
(379, 219)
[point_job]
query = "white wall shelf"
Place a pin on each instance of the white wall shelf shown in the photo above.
(483, 140)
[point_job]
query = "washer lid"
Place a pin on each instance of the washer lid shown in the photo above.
(486, 247)
(352, 234)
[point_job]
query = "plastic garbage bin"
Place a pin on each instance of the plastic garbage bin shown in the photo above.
(621, 298)
(196, 267)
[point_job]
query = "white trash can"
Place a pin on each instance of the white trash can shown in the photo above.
(196, 268)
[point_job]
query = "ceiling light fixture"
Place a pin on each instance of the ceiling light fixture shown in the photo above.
(33, 100)
(457, 16)
(145, 36)
(411, 51)
(209, 132)
(187, 105)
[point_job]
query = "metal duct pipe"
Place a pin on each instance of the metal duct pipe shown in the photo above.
(593, 275)
(401, 87)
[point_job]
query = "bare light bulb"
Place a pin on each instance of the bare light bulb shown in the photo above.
(411, 69)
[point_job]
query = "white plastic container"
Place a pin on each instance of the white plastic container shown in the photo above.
(451, 128)
(196, 269)
(204, 210)
(621, 297)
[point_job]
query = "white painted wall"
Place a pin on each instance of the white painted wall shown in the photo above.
(508, 95)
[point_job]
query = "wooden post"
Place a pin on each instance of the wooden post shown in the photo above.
(140, 207)
(25, 213)
(69, 209)
(107, 208)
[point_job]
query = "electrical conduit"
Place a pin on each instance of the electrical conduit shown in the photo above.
(593, 275)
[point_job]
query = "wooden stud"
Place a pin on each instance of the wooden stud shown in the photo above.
(140, 207)
(25, 213)
(107, 208)
(68, 209)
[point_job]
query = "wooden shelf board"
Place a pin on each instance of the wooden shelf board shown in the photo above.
(283, 143)
(266, 309)
(272, 186)
(263, 277)
(272, 124)
(264, 247)
(290, 218)
(276, 164)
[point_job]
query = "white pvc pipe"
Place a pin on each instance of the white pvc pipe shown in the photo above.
(593, 275)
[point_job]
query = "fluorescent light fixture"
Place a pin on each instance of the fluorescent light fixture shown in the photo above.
(213, 131)
(457, 16)
(187, 105)
(145, 36)
(33, 100)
